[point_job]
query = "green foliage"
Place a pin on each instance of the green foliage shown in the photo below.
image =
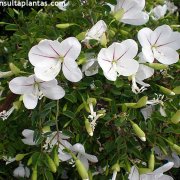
(113, 138)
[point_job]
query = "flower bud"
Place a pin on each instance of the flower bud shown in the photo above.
(88, 127)
(176, 117)
(19, 157)
(29, 161)
(55, 156)
(81, 170)
(142, 102)
(103, 40)
(176, 90)
(46, 129)
(144, 170)
(51, 164)
(65, 25)
(81, 36)
(6, 74)
(157, 66)
(14, 69)
(119, 14)
(138, 131)
(151, 161)
(176, 148)
(166, 91)
(34, 173)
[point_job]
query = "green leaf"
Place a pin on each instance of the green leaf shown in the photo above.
(11, 27)
(69, 114)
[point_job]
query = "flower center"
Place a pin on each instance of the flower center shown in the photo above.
(61, 59)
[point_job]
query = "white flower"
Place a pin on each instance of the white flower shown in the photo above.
(83, 156)
(155, 175)
(32, 88)
(156, 101)
(96, 31)
(170, 6)
(5, 114)
(8, 159)
(90, 67)
(171, 157)
(29, 137)
(48, 56)
(144, 72)
(133, 13)
(61, 140)
(147, 111)
(159, 11)
(63, 5)
(160, 44)
(21, 171)
(118, 60)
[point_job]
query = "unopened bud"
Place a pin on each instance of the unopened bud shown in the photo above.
(34, 173)
(176, 148)
(6, 74)
(166, 91)
(55, 156)
(46, 129)
(138, 131)
(151, 161)
(176, 117)
(65, 25)
(81, 170)
(88, 127)
(144, 170)
(14, 69)
(176, 90)
(157, 66)
(19, 157)
(142, 102)
(51, 164)
(103, 40)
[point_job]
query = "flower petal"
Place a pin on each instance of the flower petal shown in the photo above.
(30, 101)
(78, 148)
(144, 37)
(148, 54)
(127, 50)
(127, 67)
(111, 74)
(69, 48)
(137, 19)
(172, 42)
(161, 35)
(43, 54)
(72, 74)
(166, 55)
(144, 72)
(91, 158)
(134, 174)
(164, 168)
(48, 73)
(105, 59)
(22, 85)
(97, 30)
(54, 92)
